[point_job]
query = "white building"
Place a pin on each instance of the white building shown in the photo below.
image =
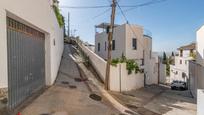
(198, 71)
(180, 71)
(130, 41)
(31, 45)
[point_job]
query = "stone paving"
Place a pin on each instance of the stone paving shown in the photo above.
(68, 96)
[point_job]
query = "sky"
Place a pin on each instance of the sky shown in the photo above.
(172, 23)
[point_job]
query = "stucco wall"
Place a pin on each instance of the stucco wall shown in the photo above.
(200, 73)
(180, 68)
(193, 74)
(123, 35)
(97, 62)
(200, 46)
(118, 36)
(122, 81)
(141, 44)
(162, 72)
(39, 15)
(119, 78)
(200, 102)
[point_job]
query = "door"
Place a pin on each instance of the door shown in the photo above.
(26, 61)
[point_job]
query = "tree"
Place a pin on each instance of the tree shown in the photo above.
(164, 58)
(172, 54)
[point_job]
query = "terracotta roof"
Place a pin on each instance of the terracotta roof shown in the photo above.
(191, 46)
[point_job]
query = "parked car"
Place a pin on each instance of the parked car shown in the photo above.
(178, 85)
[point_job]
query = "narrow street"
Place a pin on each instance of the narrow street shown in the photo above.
(68, 96)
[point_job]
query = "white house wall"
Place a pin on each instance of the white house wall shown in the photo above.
(162, 73)
(119, 78)
(118, 36)
(200, 46)
(180, 68)
(138, 34)
(200, 71)
(39, 15)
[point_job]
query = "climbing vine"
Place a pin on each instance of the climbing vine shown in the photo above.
(131, 65)
(59, 16)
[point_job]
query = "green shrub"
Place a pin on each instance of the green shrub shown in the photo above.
(60, 18)
(131, 65)
(114, 62)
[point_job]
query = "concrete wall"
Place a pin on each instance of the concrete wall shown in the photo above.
(193, 69)
(38, 14)
(119, 78)
(122, 81)
(141, 44)
(162, 73)
(198, 71)
(119, 37)
(200, 102)
(200, 46)
(97, 62)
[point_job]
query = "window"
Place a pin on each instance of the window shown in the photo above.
(105, 46)
(186, 62)
(150, 54)
(134, 44)
(181, 53)
(113, 45)
(143, 61)
(99, 47)
(180, 61)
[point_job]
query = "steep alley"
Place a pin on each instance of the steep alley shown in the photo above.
(68, 96)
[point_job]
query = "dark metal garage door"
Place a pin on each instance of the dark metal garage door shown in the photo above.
(26, 61)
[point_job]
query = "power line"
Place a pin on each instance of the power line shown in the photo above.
(102, 13)
(108, 6)
(142, 5)
(84, 7)
(129, 24)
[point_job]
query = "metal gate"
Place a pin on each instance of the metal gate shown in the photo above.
(26, 61)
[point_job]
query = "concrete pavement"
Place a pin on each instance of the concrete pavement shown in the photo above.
(157, 100)
(68, 96)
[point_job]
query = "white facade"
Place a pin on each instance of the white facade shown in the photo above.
(119, 78)
(180, 71)
(123, 37)
(38, 14)
(200, 62)
(200, 46)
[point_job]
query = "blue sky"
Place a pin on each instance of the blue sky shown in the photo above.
(172, 23)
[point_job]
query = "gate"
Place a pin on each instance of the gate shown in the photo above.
(26, 61)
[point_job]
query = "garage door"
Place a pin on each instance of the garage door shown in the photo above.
(26, 62)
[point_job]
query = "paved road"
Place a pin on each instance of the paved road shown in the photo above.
(157, 100)
(67, 96)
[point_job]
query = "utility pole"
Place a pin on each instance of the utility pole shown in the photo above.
(68, 30)
(110, 37)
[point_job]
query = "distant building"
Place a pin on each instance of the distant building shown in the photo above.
(90, 46)
(131, 41)
(180, 71)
